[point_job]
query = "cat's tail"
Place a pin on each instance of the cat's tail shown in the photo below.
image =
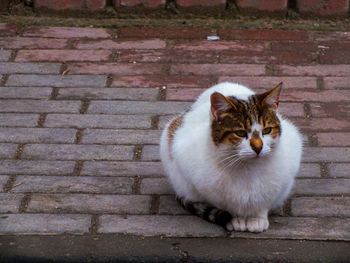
(207, 212)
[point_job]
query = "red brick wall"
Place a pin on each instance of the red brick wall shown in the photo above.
(304, 7)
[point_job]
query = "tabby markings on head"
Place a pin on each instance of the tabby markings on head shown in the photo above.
(172, 128)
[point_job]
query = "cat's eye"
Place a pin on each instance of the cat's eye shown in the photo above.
(266, 130)
(241, 133)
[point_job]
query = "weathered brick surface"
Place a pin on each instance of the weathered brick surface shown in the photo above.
(155, 186)
(219, 46)
(200, 4)
(109, 93)
(77, 152)
(103, 168)
(60, 5)
(121, 136)
(336, 82)
(164, 32)
(262, 34)
(319, 70)
(63, 55)
(32, 43)
(322, 187)
(5, 55)
(25, 92)
(56, 81)
(335, 110)
(253, 6)
(69, 184)
(150, 153)
(9, 203)
(96, 121)
(87, 203)
(36, 167)
(309, 170)
(18, 120)
(67, 32)
(39, 106)
(110, 44)
(339, 169)
(322, 124)
(334, 138)
(330, 154)
(321, 206)
(323, 8)
(40, 68)
(7, 150)
(3, 181)
(149, 4)
(169, 206)
(44, 224)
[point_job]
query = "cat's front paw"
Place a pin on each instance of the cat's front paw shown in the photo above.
(238, 224)
(257, 224)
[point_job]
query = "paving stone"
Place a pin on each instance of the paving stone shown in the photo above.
(7, 150)
(40, 135)
(124, 136)
(3, 181)
(339, 169)
(334, 138)
(303, 228)
(262, 34)
(137, 107)
(32, 43)
(150, 153)
(318, 70)
(97, 121)
(331, 154)
(156, 186)
(111, 44)
(335, 110)
(311, 170)
(219, 46)
(163, 120)
(36, 167)
(40, 68)
(103, 168)
(39, 106)
(169, 32)
(5, 55)
(9, 203)
(25, 92)
(56, 80)
(77, 152)
(322, 187)
(44, 224)
(322, 124)
(66, 32)
(169, 206)
(70, 184)
(156, 225)
(116, 68)
(63, 55)
(253, 7)
(18, 120)
(218, 69)
(321, 206)
(87, 203)
(336, 82)
(321, 96)
(269, 82)
(146, 94)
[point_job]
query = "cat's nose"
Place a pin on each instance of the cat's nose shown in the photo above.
(256, 144)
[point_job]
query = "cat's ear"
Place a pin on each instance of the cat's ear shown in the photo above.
(271, 97)
(219, 103)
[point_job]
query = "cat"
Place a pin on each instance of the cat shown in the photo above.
(232, 157)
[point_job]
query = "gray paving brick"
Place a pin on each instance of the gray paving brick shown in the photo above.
(39, 68)
(150, 153)
(121, 136)
(86, 203)
(39, 106)
(31, 42)
(3, 181)
(303, 228)
(25, 93)
(138, 107)
(109, 93)
(57, 80)
(169, 206)
(78, 184)
(326, 154)
(322, 186)
(309, 170)
(7, 150)
(9, 203)
(163, 120)
(339, 169)
(5, 55)
(44, 224)
(156, 186)
(40, 135)
(97, 121)
(36, 167)
(77, 152)
(159, 225)
(98, 168)
(18, 120)
(321, 206)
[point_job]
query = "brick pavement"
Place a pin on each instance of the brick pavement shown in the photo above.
(82, 111)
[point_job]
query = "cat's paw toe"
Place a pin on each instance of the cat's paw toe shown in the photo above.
(239, 224)
(257, 224)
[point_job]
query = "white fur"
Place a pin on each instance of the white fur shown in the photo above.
(249, 190)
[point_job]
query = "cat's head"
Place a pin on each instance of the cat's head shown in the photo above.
(246, 129)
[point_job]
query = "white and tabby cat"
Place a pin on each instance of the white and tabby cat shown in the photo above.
(232, 157)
